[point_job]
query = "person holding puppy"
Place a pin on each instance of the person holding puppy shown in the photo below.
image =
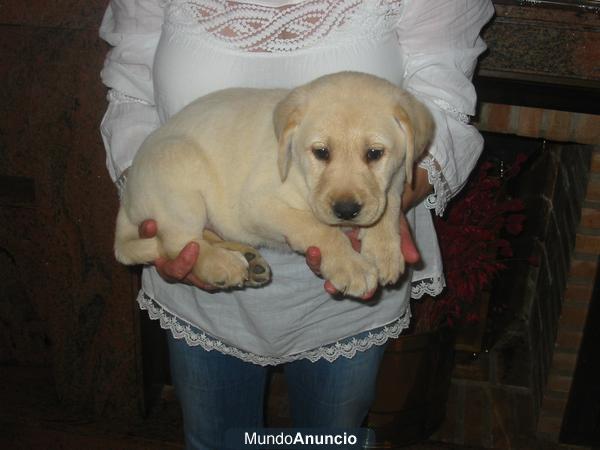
(168, 53)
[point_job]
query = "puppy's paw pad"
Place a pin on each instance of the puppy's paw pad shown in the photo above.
(259, 272)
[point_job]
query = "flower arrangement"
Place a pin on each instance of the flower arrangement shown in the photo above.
(473, 246)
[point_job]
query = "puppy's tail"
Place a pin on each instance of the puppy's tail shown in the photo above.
(129, 247)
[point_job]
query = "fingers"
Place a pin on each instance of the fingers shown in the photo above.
(407, 244)
(313, 259)
(330, 288)
(179, 270)
(148, 229)
(180, 267)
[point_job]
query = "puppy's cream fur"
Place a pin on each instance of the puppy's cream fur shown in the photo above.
(245, 163)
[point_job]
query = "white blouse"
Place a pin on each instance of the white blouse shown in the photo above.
(169, 52)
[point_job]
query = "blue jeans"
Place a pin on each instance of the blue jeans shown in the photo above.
(218, 392)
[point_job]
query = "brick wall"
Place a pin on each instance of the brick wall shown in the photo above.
(518, 388)
(577, 298)
(560, 126)
(584, 221)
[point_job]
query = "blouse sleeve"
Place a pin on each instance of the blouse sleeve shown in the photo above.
(132, 28)
(440, 42)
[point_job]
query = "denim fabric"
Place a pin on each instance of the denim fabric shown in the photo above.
(218, 392)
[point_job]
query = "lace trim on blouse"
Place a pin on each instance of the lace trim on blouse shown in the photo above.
(118, 97)
(441, 191)
(431, 286)
(344, 347)
(459, 115)
(257, 28)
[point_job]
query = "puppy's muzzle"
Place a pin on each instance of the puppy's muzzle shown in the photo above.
(346, 209)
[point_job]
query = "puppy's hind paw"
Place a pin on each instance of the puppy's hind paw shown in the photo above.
(259, 272)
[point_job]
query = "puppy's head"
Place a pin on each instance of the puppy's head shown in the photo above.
(351, 136)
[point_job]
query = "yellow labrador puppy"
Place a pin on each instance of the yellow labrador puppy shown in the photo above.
(279, 168)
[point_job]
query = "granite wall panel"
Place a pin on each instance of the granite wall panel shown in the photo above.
(531, 41)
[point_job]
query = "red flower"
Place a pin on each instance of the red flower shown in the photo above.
(470, 243)
(514, 223)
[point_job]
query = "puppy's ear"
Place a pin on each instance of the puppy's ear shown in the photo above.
(416, 122)
(286, 118)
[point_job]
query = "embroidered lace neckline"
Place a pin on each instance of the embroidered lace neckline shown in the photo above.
(255, 27)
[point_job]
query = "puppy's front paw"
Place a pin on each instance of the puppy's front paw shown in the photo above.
(259, 272)
(350, 273)
(222, 268)
(386, 256)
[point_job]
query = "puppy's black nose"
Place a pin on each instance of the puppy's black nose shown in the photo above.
(346, 209)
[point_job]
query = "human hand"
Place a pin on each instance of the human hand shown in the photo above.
(407, 247)
(178, 270)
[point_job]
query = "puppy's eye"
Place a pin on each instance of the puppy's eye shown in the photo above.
(321, 153)
(373, 154)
